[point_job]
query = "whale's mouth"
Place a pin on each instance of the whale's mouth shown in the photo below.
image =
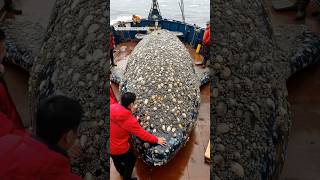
(157, 155)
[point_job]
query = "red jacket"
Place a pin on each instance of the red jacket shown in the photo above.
(7, 106)
(23, 157)
(113, 99)
(7, 126)
(111, 41)
(206, 37)
(122, 124)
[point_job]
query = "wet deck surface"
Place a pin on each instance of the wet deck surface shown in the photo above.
(189, 163)
(303, 157)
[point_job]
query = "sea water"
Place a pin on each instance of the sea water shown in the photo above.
(196, 11)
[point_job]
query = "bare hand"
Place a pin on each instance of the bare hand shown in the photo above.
(162, 141)
(74, 151)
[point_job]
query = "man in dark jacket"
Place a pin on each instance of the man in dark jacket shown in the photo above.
(43, 156)
(123, 124)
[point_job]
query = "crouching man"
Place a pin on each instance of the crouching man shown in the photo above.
(43, 156)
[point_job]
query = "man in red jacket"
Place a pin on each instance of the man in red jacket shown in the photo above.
(7, 107)
(206, 45)
(45, 155)
(123, 124)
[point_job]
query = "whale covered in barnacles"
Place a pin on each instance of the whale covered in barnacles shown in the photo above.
(160, 72)
(251, 116)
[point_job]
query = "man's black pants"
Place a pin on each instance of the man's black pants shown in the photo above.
(124, 164)
(206, 54)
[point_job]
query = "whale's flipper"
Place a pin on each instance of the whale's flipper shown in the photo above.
(298, 47)
(117, 72)
(203, 75)
(308, 54)
(24, 40)
(284, 5)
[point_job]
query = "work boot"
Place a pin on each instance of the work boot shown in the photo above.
(301, 9)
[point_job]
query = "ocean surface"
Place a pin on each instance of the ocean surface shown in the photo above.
(196, 11)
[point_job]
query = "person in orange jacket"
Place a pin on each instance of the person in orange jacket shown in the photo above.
(206, 44)
(136, 20)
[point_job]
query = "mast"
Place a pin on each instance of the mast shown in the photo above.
(154, 14)
(181, 5)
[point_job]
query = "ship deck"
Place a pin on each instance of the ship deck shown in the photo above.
(189, 163)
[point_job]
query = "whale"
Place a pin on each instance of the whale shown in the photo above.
(160, 72)
(251, 115)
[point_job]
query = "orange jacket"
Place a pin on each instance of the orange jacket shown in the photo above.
(206, 37)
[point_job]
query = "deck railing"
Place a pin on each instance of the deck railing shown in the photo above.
(126, 31)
